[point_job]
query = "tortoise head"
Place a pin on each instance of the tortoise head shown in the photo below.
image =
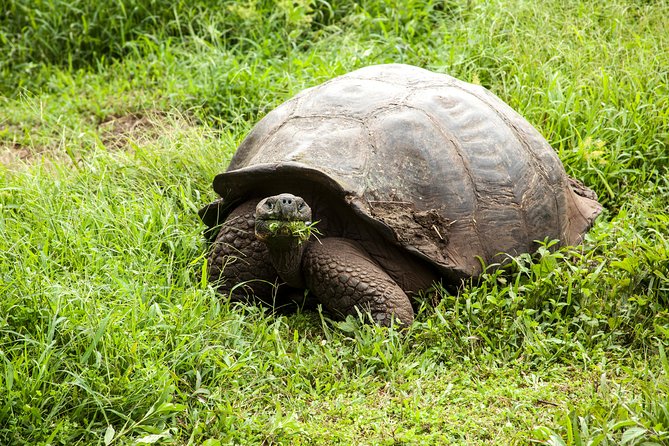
(283, 223)
(283, 218)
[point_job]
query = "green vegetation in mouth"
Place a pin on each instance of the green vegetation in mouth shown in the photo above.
(300, 229)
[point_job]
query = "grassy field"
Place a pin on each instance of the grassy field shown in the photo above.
(114, 118)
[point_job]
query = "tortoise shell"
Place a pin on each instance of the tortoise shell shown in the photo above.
(443, 168)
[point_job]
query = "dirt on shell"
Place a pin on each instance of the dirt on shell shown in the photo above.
(426, 231)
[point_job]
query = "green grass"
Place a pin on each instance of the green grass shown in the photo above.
(114, 118)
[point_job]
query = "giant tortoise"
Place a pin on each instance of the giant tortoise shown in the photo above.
(409, 177)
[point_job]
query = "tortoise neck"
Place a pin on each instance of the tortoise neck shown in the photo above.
(285, 253)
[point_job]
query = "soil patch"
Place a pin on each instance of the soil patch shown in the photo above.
(11, 152)
(118, 132)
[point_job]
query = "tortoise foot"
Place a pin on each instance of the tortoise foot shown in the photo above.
(346, 281)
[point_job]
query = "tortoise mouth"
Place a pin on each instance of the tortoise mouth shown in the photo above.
(295, 229)
(283, 216)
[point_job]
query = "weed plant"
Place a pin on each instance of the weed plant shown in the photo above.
(114, 118)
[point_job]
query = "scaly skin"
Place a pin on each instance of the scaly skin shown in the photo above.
(237, 257)
(346, 280)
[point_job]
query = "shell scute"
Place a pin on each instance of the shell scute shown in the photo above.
(353, 98)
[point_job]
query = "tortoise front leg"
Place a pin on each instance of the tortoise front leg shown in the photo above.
(239, 264)
(345, 280)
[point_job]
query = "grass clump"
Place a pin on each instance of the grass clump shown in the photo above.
(115, 118)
